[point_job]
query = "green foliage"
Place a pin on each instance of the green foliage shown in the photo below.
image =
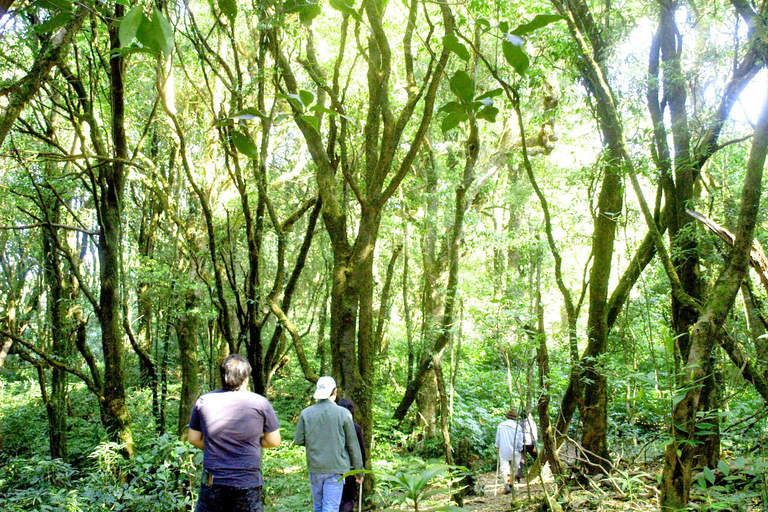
(415, 484)
(160, 478)
(741, 483)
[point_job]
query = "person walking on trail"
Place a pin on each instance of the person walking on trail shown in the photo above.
(530, 438)
(509, 447)
(349, 494)
(328, 433)
(231, 425)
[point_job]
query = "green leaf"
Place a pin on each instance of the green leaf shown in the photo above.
(453, 106)
(147, 37)
(320, 108)
(245, 145)
(709, 475)
(740, 462)
(248, 113)
(342, 6)
(483, 23)
(126, 3)
(541, 20)
(488, 113)
(229, 9)
(463, 86)
(515, 57)
(306, 9)
(306, 97)
(56, 22)
(453, 44)
(504, 26)
(490, 94)
(314, 121)
(452, 120)
(293, 97)
(163, 30)
(57, 5)
(129, 25)
(724, 467)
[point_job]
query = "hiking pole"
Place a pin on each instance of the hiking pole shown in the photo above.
(360, 497)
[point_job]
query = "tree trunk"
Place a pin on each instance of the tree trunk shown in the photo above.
(188, 334)
(679, 454)
(54, 280)
(109, 248)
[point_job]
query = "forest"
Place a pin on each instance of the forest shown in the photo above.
(453, 208)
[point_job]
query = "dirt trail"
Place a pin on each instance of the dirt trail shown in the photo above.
(528, 498)
(492, 498)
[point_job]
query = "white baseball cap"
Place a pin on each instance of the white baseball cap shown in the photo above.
(325, 387)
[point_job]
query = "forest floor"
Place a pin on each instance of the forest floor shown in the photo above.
(530, 498)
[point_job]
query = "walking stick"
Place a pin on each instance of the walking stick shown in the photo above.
(360, 497)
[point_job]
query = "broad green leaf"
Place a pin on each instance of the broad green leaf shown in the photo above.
(541, 20)
(677, 399)
(740, 462)
(245, 145)
(452, 120)
(504, 26)
(147, 37)
(314, 121)
(515, 57)
(126, 3)
(306, 97)
(56, 22)
(483, 23)
(229, 9)
(724, 467)
(709, 475)
(129, 25)
(294, 97)
(453, 44)
(309, 13)
(488, 113)
(452, 106)
(342, 6)
(463, 86)
(163, 30)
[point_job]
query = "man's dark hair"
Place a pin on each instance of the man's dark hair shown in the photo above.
(234, 370)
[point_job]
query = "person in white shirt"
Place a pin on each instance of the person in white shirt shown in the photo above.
(509, 447)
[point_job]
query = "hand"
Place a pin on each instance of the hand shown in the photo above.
(359, 478)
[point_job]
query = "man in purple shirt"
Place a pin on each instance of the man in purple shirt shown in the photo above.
(231, 425)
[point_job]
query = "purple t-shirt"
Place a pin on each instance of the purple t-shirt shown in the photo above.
(232, 423)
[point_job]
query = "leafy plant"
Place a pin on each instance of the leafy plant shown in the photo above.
(414, 484)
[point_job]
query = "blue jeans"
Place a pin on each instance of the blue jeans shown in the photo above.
(326, 491)
(222, 498)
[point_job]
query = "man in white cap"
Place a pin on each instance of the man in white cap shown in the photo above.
(328, 433)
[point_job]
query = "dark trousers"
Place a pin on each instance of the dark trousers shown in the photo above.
(223, 498)
(349, 495)
(530, 449)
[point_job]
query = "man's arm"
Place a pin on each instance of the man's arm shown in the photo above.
(271, 439)
(195, 437)
(298, 437)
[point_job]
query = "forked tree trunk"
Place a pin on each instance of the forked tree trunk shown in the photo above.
(680, 454)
